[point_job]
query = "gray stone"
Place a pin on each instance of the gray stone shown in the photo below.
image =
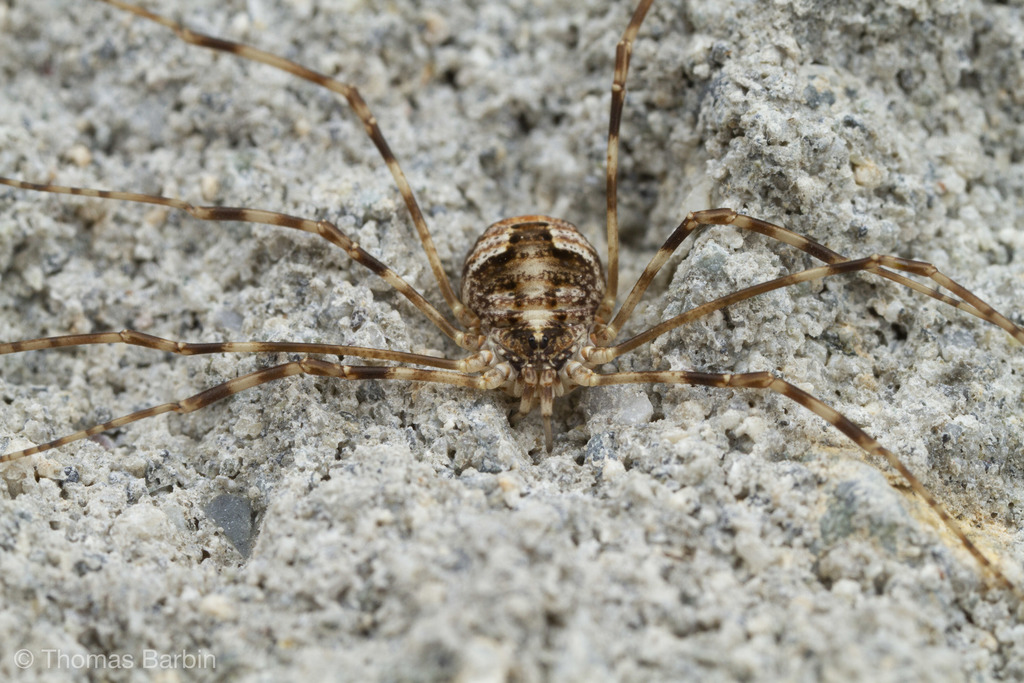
(409, 532)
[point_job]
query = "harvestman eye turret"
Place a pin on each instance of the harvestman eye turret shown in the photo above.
(535, 309)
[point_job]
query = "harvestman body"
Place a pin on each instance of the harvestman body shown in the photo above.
(535, 311)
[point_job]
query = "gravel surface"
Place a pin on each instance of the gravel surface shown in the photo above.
(313, 529)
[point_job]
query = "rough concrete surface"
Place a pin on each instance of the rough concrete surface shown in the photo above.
(312, 529)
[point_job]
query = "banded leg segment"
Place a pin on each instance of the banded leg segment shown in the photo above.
(596, 355)
(357, 104)
(967, 301)
(325, 229)
(134, 338)
(623, 51)
(488, 380)
(765, 380)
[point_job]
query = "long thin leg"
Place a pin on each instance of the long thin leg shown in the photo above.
(967, 302)
(765, 380)
(623, 51)
(489, 380)
(472, 363)
(358, 105)
(325, 229)
(599, 355)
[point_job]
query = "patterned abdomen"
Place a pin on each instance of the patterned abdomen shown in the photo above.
(530, 271)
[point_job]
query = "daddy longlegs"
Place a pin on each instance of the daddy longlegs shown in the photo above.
(535, 309)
